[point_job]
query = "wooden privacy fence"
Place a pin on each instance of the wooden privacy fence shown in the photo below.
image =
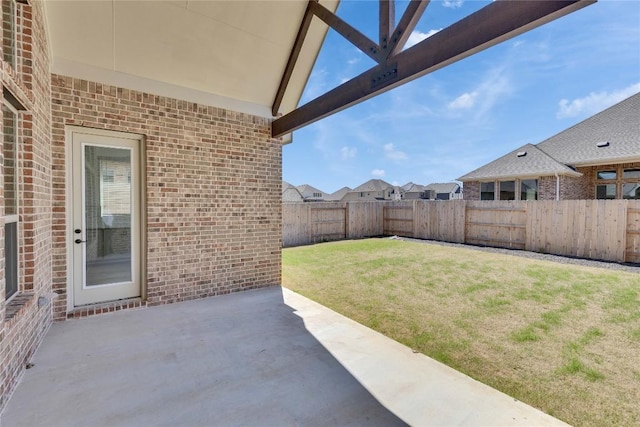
(305, 223)
(596, 229)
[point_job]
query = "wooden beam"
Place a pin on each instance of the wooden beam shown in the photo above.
(495, 23)
(293, 58)
(407, 24)
(387, 22)
(354, 36)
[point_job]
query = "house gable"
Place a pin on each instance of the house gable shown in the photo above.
(526, 161)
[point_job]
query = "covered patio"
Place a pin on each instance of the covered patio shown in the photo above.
(148, 135)
(262, 357)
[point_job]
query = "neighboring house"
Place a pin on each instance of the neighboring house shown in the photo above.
(290, 193)
(415, 191)
(311, 194)
(374, 189)
(338, 195)
(138, 163)
(598, 158)
(444, 191)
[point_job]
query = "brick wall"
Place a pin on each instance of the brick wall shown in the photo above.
(471, 190)
(571, 188)
(590, 175)
(575, 188)
(23, 321)
(213, 190)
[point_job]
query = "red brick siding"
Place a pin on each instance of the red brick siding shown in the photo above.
(22, 321)
(471, 190)
(590, 174)
(571, 188)
(213, 189)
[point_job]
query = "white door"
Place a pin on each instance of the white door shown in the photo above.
(105, 217)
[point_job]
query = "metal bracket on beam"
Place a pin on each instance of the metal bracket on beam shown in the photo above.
(386, 74)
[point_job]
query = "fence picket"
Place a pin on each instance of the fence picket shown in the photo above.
(597, 229)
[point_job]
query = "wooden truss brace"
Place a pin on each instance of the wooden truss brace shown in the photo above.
(493, 24)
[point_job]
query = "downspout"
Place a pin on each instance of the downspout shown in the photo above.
(557, 186)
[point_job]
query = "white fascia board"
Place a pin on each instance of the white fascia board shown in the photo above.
(615, 161)
(521, 177)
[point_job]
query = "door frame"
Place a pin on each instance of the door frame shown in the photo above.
(70, 131)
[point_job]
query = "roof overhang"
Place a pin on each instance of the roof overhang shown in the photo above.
(573, 174)
(228, 54)
(606, 162)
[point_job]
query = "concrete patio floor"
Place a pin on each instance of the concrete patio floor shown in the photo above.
(268, 357)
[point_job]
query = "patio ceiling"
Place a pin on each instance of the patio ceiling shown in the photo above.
(226, 53)
(256, 56)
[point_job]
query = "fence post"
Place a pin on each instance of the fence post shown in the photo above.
(623, 212)
(347, 230)
(414, 215)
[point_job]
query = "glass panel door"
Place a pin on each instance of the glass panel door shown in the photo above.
(107, 218)
(105, 234)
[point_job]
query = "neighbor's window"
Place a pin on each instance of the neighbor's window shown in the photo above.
(631, 191)
(9, 32)
(487, 191)
(605, 175)
(507, 190)
(9, 152)
(631, 174)
(606, 191)
(529, 189)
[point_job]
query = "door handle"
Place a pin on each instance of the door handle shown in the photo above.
(80, 241)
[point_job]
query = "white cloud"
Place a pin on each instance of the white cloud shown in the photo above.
(417, 36)
(391, 153)
(464, 101)
(353, 61)
(378, 172)
(594, 102)
(493, 89)
(348, 152)
(452, 4)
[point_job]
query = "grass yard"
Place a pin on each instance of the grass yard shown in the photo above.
(562, 338)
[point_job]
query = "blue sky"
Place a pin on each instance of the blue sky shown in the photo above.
(447, 123)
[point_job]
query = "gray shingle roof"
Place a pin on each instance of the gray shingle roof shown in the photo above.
(373, 185)
(338, 195)
(307, 191)
(286, 185)
(446, 187)
(534, 163)
(618, 125)
(410, 187)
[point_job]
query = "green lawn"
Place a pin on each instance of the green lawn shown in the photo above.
(563, 338)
